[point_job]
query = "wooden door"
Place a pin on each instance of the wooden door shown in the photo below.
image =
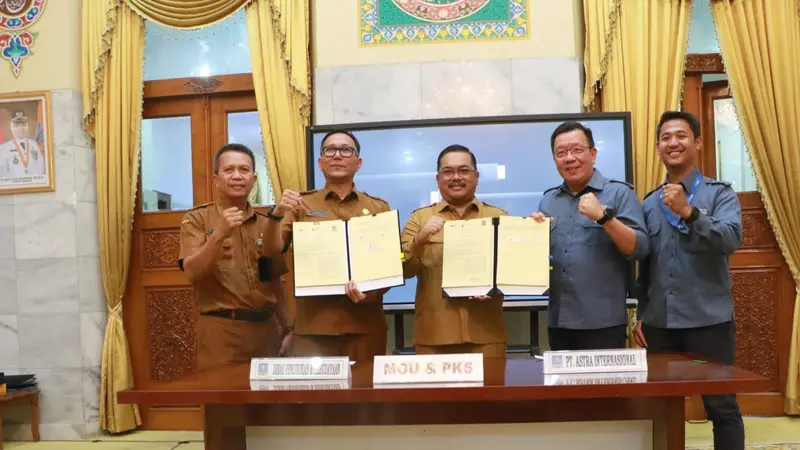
(763, 289)
(185, 122)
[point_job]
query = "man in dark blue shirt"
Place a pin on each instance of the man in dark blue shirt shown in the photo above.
(597, 229)
(685, 302)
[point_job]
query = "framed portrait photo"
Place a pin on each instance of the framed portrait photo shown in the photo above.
(26, 143)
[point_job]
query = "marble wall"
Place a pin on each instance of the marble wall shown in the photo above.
(52, 306)
(430, 90)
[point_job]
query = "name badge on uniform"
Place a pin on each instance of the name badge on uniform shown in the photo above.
(317, 213)
(703, 211)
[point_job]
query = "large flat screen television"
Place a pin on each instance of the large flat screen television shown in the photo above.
(514, 160)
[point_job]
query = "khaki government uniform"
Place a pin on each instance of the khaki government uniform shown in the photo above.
(449, 325)
(335, 325)
(234, 283)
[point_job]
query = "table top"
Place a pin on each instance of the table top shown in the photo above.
(517, 379)
(22, 393)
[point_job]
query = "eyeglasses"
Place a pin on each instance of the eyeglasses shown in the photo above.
(345, 152)
(577, 152)
(448, 172)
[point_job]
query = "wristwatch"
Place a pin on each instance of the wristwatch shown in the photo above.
(693, 216)
(608, 214)
(273, 216)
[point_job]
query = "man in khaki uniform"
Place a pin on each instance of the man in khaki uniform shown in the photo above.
(350, 325)
(450, 325)
(237, 283)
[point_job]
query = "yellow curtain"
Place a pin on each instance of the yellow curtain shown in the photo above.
(115, 126)
(634, 61)
(278, 32)
(186, 13)
(760, 43)
(635, 52)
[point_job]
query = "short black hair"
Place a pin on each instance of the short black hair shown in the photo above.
(568, 126)
(345, 132)
(689, 118)
(456, 148)
(241, 148)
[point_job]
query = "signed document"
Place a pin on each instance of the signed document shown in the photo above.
(320, 257)
(376, 260)
(328, 254)
(468, 257)
(523, 256)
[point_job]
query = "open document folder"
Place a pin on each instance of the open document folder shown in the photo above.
(366, 249)
(500, 256)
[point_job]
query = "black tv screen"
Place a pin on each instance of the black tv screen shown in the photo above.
(514, 160)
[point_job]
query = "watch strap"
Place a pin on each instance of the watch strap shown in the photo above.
(273, 216)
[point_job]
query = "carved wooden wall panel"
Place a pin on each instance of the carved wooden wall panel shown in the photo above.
(172, 332)
(756, 230)
(161, 248)
(754, 295)
(704, 63)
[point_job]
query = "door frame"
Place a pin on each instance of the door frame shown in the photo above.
(169, 98)
(760, 254)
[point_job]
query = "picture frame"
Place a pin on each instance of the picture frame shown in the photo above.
(26, 143)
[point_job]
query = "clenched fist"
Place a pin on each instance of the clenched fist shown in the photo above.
(590, 207)
(675, 199)
(431, 227)
(231, 219)
(289, 201)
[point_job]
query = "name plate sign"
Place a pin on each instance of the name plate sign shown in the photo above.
(581, 379)
(595, 361)
(401, 369)
(328, 368)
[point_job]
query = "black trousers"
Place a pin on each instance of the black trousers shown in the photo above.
(599, 339)
(715, 342)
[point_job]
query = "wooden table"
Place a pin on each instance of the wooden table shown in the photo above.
(30, 396)
(514, 391)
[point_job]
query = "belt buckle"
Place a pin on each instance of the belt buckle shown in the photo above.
(233, 314)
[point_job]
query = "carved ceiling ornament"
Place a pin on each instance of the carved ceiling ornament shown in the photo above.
(203, 85)
(704, 63)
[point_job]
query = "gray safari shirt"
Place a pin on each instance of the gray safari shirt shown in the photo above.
(590, 276)
(685, 282)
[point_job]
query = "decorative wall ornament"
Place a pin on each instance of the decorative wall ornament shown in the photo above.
(15, 40)
(419, 21)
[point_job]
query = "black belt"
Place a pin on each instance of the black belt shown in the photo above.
(241, 314)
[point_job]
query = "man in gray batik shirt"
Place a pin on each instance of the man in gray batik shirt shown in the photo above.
(597, 230)
(685, 302)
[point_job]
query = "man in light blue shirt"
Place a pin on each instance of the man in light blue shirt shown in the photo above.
(597, 230)
(685, 302)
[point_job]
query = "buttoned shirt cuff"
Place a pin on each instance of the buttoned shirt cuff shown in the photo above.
(702, 225)
(640, 251)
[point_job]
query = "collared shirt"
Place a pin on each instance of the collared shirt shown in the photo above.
(234, 283)
(590, 277)
(335, 315)
(685, 282)
(439, 320)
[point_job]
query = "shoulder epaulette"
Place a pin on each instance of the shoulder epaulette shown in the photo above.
(204, 205)
(423, 207)
(620, 182)
(495, 207)
(713, 181)
(551, 189)
(375, 198)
